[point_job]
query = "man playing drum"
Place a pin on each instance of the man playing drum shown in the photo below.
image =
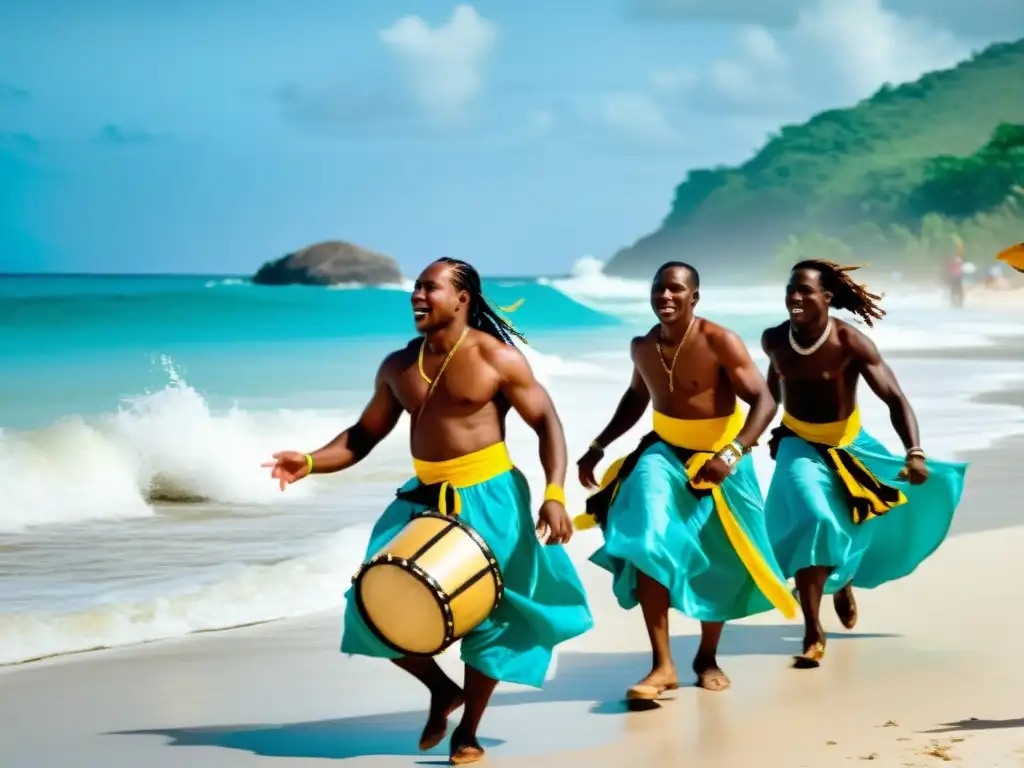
(459, 382)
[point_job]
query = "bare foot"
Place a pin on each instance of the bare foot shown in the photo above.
(814, 651)
(710, 676)
(441, 707)
(651, 687)
(846, 606)
(465, 749)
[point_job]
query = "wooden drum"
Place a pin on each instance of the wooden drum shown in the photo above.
(429, 586)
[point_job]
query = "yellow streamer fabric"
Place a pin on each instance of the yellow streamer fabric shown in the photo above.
(462, 472)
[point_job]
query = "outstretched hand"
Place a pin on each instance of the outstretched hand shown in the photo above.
(287, 467)
(553, 523)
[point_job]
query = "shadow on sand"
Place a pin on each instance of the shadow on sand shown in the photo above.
(974, 724)
(594, 678)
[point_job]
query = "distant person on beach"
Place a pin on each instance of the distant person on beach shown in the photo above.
(955, 280)
(468, 366)
(843, 511)
(682, 515)
(994, 278)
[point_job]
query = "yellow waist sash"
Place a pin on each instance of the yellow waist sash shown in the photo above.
(709, 435)
(868, 496)
(833, 433)
(706, 437)
(462, 472)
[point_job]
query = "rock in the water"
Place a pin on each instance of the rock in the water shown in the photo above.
(330, 263)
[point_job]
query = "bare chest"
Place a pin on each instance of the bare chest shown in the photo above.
(831, 362)
(465, 384)
(692, 368)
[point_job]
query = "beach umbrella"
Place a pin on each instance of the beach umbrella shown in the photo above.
(1014, 256)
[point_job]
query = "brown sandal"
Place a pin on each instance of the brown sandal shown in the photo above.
(811, 658)
(642, 692)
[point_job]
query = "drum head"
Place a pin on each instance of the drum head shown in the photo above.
(402, 608)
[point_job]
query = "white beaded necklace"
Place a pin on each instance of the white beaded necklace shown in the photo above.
(815, 346)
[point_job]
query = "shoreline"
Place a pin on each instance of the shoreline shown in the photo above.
(989, 462)
(927, 676)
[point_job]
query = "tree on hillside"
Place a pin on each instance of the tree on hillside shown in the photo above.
(960, 187)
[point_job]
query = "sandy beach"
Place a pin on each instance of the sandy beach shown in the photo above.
(929, 675)
(1009, 299)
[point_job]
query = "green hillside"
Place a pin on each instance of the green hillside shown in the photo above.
(881, 180)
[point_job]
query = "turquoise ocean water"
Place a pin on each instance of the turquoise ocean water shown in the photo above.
(135, 411)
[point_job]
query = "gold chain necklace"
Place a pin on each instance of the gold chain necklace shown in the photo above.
(661, 357)
(423, 374)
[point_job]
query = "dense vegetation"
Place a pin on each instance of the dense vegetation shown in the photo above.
(894, 180)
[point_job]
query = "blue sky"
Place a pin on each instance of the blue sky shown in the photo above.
(211, 135)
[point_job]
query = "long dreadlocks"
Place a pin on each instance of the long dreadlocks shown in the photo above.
(846, 294)
(482, 316)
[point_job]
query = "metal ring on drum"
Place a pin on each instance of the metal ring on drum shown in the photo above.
(428, 587)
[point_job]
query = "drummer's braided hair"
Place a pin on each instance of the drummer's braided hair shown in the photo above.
(846, 294)
(482, 316)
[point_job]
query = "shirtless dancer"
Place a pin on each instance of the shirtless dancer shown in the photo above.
(842, 510)
(686, 526)
(459, 382)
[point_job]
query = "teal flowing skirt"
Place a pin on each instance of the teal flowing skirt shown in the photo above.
(810, 523)
(658, 526)
(544, 603)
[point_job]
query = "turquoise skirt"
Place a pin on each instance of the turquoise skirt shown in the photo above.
(659, 526)
(810, 523)
(544, 603)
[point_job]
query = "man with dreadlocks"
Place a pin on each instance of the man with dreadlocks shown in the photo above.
(459, 381)
(842, 511)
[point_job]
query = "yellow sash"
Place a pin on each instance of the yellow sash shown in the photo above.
(706, 437)
(869, 496)
(463, 471)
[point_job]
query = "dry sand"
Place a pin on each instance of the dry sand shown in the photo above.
(979, 297)
(930, 675)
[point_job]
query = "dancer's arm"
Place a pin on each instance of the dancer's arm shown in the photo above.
(532, 402)
(631, 407)
(771, 375)
(747, 382)
(883, 383)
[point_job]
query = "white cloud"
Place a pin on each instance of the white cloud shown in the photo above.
(758, 44)
(445, 64)
(868, 45)
(832, 54)
(974, 18)
(838, 52)
(637, 118)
